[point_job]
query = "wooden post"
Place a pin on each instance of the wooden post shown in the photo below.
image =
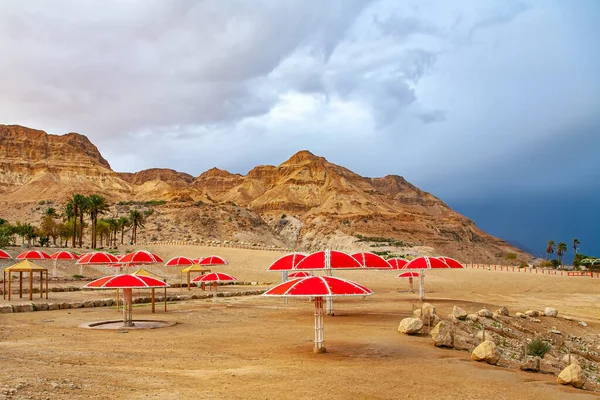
(41, 284)
(153, 310)
(117, 299)
(165, 299)
(46, 285)
(30, 285)
(20, 285)
(483, 333)
(4, 284)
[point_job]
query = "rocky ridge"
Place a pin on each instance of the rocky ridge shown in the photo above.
(305, 202)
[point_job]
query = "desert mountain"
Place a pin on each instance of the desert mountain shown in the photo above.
(306, 202)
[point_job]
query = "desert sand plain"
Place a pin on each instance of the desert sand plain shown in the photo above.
(253, 347)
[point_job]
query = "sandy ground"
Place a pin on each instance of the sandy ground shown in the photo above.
(258, 348)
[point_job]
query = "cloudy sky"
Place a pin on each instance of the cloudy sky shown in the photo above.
(493, 106)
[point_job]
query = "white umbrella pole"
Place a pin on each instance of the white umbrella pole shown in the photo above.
(215, 292)
(81, 270)
(54, 268)
(319, 327)
(124, 307)
(284, 276)
(329, 299)
(422, 285)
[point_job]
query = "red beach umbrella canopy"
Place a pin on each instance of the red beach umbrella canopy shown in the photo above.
(397, 263)
(452, 263)
(140, 257)
(215, 277)
(180, 262)
(426, 263)
(64, 255)
(287, 262)
(126, 281)
(97, 257)
(328, 259)
(371, 261)
(211, 260)
(408, 275)
(33, 255)
(299, 274)
(319, 286)
(4, 255)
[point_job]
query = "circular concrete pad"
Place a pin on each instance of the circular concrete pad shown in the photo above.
(118, 325)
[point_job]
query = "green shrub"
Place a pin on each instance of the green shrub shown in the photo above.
(539, 347)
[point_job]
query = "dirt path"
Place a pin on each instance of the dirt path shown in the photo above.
(258, 348)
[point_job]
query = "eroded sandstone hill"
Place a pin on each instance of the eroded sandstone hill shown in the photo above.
(306, 202)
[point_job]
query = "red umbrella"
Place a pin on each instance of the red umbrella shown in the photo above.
(127, 282)
(371, 261)
(95, 258)
(4, 255)
(452, 263)
(98, 258)
(64, 256)
(214, 278)
(287, 262)
(397, 263)
(424, 263)
(318, 287)
(299, 274)
(33, 255)
(408, 275)
(328, 260)
(211, 260)
(140, 257)
(179, 262)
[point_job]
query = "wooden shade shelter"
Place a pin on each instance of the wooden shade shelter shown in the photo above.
(188, 270)
(143, 272)
(27, 267)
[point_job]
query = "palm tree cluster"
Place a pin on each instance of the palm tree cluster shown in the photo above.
(561, 249)
(79, 212)
(94, 206)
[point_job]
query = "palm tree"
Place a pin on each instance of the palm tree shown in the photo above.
(122, 223)
(113, 227)
(72, 211)
(103, 230)
(96, 205)
(549, 248)
(136, 219)
(576, 243)
(83, 209)
(49, 227)
(561, 249)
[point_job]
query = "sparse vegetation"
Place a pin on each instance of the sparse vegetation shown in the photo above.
(149, 203)
(539, 347)
(381, 241)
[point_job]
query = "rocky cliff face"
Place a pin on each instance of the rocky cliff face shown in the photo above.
(169, 176)
(34, 164)
(305, 202)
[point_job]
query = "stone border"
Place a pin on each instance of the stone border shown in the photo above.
(97, 324)
(29, 307)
